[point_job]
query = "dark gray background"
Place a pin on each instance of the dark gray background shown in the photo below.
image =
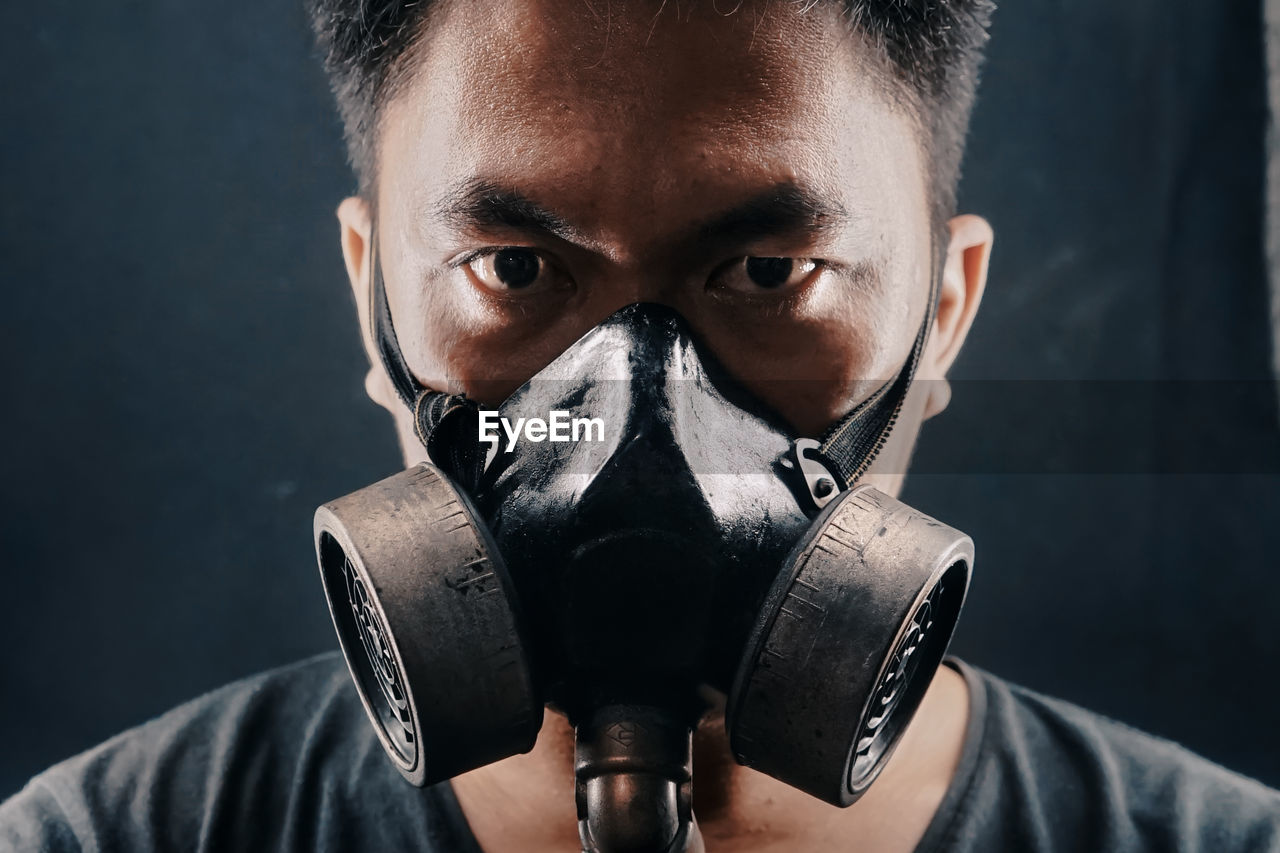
(182, 376)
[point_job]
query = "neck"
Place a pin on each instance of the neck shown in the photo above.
(527, 802)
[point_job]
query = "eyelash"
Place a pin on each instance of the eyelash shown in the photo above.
(462, 260)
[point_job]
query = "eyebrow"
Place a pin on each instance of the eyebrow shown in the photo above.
(482, 204)
(785, 208)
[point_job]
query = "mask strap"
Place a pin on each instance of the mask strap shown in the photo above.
(443, 422)
(853, 443)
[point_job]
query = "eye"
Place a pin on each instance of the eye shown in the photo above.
(513, 270)
(763, 275)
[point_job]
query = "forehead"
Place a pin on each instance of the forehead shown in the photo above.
(634, 107)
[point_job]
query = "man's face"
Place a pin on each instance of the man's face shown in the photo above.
(546, 164)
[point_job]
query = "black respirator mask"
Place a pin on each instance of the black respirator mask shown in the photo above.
(685, 546)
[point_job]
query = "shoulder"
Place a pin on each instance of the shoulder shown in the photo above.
(1042, 774)
(282, 760)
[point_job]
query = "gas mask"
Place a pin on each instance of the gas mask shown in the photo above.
(647, 538)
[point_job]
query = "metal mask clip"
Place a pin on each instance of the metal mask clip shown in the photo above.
(820, 484)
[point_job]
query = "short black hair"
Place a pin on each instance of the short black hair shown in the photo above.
(933, 47)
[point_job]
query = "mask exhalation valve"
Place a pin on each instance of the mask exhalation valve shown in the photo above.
(634, 770)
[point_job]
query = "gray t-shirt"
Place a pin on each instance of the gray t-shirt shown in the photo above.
(287, 761)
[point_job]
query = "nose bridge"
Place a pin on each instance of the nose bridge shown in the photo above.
(642, 281)
(663, 363)
(677, 398)
(647, 259)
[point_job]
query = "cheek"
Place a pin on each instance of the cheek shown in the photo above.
(810, 370)
(462, 344)
(489, 363)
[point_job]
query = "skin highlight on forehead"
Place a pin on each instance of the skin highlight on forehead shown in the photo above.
(609, 59)
(555, 92)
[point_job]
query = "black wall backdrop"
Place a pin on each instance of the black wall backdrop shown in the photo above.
(183, 377)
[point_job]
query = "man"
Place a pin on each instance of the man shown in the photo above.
(783, 176)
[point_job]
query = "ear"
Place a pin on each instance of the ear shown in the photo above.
(356, 222)
(355, 217)
(964, 278)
